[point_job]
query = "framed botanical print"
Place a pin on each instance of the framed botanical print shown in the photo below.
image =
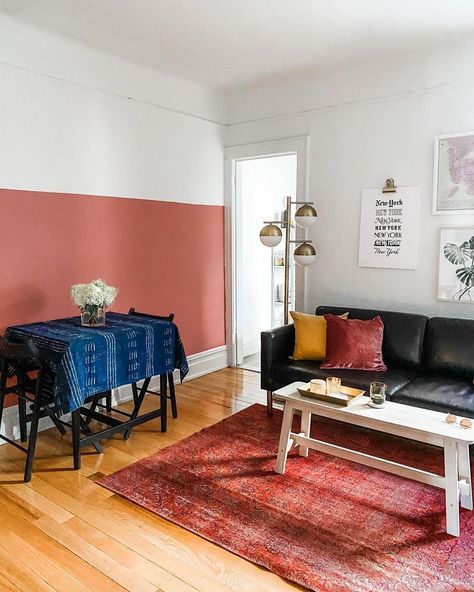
(456, 265)
(453, 179)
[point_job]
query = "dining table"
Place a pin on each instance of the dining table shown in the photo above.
(90, 361)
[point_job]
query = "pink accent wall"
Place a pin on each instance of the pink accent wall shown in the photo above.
(163, 256)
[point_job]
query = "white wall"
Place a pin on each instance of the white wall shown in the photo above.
(360, 145)
(264, 184)
(76, 120)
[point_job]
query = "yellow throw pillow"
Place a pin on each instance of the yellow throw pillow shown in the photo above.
(310, 336)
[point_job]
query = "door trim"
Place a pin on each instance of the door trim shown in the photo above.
(232, 154)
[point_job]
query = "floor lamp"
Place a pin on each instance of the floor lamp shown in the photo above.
(304, 254)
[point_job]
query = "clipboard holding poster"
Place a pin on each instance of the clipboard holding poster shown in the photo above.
(389, 228)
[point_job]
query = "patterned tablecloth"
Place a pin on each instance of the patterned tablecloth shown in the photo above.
(89, 360)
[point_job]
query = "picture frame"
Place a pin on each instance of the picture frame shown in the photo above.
(456, 265)
(390, 228)
(453, 174)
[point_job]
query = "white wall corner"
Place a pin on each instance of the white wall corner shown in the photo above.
(49, 55)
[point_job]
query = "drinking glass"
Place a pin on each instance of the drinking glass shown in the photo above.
(377, 393)
(318, 386)
(333, 384)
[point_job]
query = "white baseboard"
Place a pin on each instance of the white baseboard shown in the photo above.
(10, 425)
(199, 364)
(251, 346)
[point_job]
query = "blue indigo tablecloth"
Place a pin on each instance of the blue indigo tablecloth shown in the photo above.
(90, 360)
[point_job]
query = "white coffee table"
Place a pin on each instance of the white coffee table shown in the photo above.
(417, 424)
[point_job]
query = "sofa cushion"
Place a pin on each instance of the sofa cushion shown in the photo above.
(310, 336)
(354, 344)
(439, 393)
(403, 333)
(293, 370)
(449, 347)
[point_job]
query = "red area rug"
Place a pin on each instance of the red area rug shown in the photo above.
(327, 524)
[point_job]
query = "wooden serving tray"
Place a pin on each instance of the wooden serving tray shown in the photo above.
(347, 395)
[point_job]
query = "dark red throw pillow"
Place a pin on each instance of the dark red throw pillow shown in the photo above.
(354, 344)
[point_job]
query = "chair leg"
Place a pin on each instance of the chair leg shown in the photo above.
(138, 404)
(30, 456)
(135, 393)
(174, 407)
(76, 438)
(59, 426)
(92, 408)
(164, 402)
(87, 431)
(108, 401)
(22, 419)
(2, 403)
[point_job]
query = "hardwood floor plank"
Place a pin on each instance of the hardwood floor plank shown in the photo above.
(57, 553)
(132, 554)
(6, 585)
(40, 565)
(21, 575)
(87, 538)
(96, 557)
(38, 502)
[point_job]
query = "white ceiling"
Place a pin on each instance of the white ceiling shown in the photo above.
(232, 43)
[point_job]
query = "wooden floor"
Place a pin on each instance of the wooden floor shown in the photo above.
(63, 532)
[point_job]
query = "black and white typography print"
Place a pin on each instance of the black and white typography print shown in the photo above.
(389, 228)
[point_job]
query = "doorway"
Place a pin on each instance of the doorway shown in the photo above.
(262, 185)
(258, 178)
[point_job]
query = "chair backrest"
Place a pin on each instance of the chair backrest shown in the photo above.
(21, 352)
(134, 312)
(17, 359)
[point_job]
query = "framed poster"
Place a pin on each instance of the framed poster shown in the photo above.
(389, 228)
(456, 265)
(453, 177)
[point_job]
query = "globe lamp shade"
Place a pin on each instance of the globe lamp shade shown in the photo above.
(270, 235)
(305, 216)
(305, 255)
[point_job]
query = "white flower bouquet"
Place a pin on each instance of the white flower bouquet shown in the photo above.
(93, 299)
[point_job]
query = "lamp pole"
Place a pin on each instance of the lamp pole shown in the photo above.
(305, 254)
(286, 298)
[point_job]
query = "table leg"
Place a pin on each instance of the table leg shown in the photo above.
(452, 487)
(464, 465)
(270, 402)
(164, 401)
(284, 438)
(305, 429)
(76, 438)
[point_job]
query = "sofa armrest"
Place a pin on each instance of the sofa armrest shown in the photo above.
(276, 345)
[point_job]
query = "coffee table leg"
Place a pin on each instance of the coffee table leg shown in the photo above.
(284, 438)
(452, 487)
(464, 464)
(305, 429)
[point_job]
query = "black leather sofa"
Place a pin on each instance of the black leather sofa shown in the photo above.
(430, 361)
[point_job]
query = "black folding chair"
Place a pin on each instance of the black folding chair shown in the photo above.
(17, 362)
(166, 380)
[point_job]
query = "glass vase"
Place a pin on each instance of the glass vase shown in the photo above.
(93, 316)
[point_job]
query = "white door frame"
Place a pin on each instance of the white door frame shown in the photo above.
(233, 154)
